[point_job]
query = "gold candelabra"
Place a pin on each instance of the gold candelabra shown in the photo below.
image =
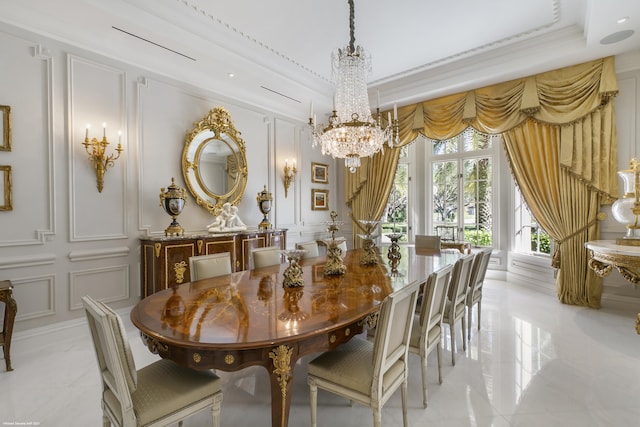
(334, 265)
(97, 150)
(289, 175)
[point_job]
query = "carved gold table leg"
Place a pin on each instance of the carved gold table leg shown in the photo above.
(281, 378)
(11, 308)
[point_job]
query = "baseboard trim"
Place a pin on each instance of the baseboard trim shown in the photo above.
(63, 330)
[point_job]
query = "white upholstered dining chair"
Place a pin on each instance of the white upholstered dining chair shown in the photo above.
(426, 334)
(311, 247)
(265, 257)
(370, 372)
(159, 394)
(456, 308)
(474, 293)
(427, 243)
(213, 265)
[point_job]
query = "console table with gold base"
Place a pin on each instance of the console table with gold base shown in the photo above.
(605, 255)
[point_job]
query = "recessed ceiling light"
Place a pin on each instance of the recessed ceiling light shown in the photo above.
(623, 20)
(616, 37)
(231, 75)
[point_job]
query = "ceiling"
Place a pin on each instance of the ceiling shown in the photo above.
(279, 51)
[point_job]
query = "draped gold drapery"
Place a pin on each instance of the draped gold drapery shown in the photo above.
(568, 113)
(563, 205)
(367, 202)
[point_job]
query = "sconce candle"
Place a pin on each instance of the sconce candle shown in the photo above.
(98, 156)
(289, 175)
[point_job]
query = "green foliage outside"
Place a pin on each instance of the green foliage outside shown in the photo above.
(545, 243)
(478, 237)
(389, 227)
(394, 219)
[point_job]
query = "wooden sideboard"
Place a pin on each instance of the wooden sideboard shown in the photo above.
(165, 260)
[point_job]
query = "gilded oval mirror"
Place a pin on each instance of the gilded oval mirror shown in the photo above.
(214, 163)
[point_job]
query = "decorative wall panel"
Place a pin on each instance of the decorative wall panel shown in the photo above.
(32, 155)
(97, 96)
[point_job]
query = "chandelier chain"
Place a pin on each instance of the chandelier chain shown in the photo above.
(352, 25)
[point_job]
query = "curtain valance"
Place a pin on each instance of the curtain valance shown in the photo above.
(566, 97)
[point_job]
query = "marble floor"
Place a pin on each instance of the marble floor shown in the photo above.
(535, 362)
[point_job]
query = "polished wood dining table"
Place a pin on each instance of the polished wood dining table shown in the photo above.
(247, 318)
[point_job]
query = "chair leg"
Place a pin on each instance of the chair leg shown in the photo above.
(313, 401)
(403, 392)
(424, 380)
(105, 421)
(479, 305)
(453, 343)
(215, 410)
(469, 311)
(439, 354)
(464, 332)
(377, 417)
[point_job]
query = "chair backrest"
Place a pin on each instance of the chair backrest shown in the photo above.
(311, 247)
(478, 273)
(343, 247)
(446, 232)
(265, 257)
(393, 332)
(425, 242)
(435, 298)
(460, 280)
(115, 360)
(213, 265)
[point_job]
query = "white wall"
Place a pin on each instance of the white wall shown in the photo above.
(63, 239)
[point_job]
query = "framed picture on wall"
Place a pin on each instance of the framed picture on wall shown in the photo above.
(5, 128)
(319, 173)
(5, 188)
(319, 199)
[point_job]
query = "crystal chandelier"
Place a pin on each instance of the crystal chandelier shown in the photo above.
(352, 132)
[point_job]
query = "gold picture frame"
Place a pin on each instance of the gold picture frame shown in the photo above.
(5, 188)
(319, 173)
(319, 200)
(5, 128)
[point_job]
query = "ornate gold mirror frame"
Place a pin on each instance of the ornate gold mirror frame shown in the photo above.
(214, 162)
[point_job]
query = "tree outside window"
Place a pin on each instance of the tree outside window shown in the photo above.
(529, 236)
(395, 217)
(462, 173)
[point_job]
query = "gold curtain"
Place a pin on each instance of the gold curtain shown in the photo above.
(573, 109)
(368, 201)
(565, 207)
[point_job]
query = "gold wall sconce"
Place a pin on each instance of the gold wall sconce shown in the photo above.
(289, 175)
(97, 151)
